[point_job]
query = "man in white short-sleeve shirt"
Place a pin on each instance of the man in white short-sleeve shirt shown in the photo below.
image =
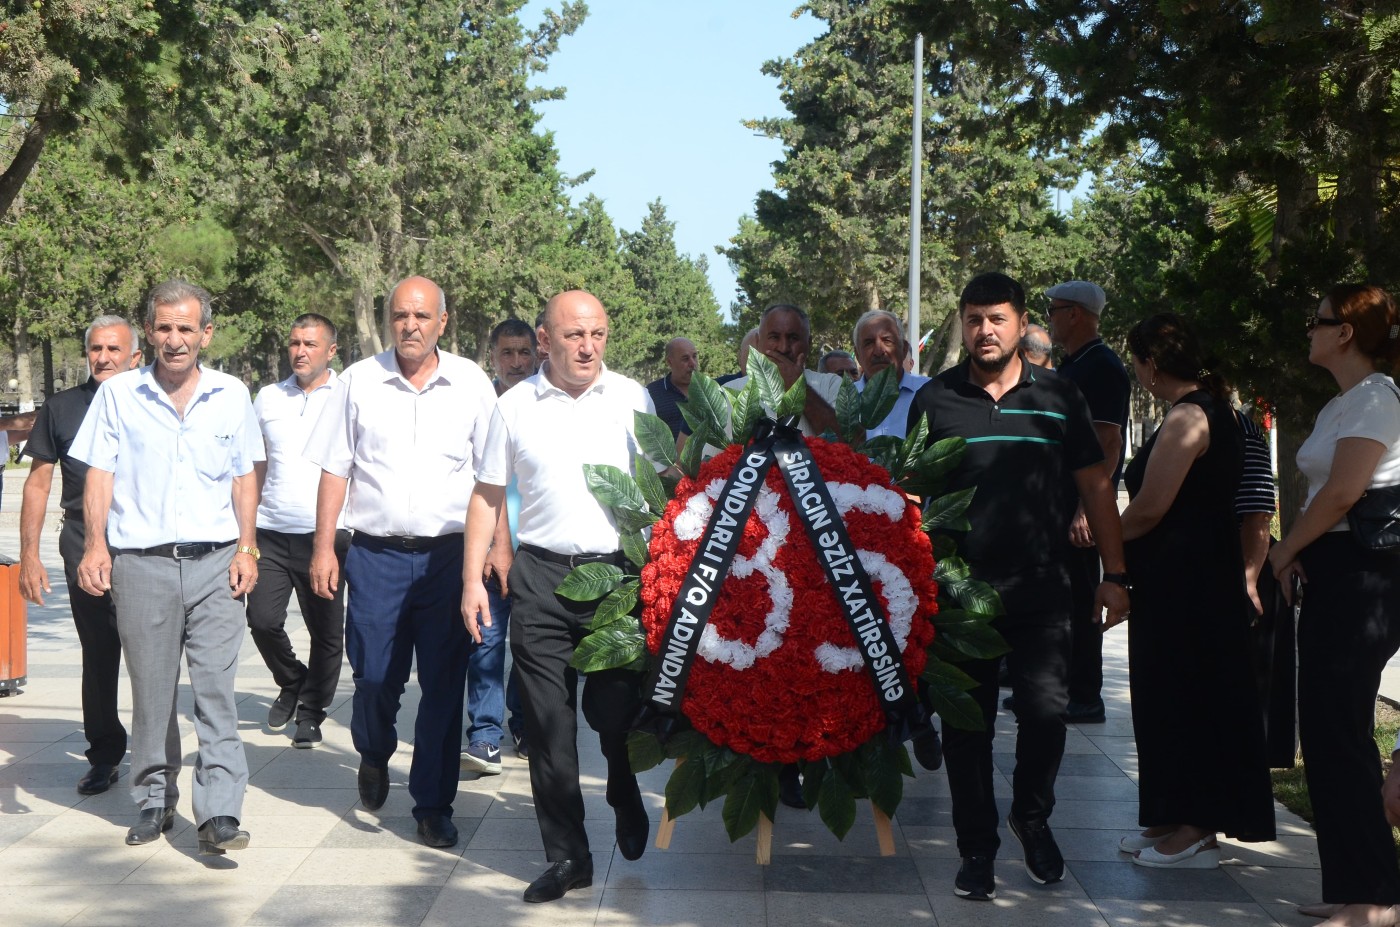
(575, 411)
(402, 438)
(170, 450)
(287, 411)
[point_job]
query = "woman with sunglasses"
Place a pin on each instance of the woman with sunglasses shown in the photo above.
(1200, 733)
(1350, 620)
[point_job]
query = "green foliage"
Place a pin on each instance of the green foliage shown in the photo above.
(619, 644)
(794, 399)
(590, 581)
(707, 406)
(747, 410)
(693, 453)
(655, 438)
(754, 793)
(847, 409)
(878, 397)
(764, 373)
(616, 606)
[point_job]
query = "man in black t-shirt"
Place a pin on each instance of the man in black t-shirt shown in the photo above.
(1031, 447)
(112, 346)
(1091, 365)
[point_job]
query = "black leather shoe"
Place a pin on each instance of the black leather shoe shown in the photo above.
(632, 825)
(283, 707)
(99, 779)
(564, 876)
(150, 825)
(219, 834)
(307, 736)
(1044, 863)
(790, 787)
(374, 785)
(976, 879)
(437, 830)
(928, 749)
(1086, 713)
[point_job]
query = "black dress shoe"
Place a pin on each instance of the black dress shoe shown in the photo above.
(1086, 712)
(283, 707)
(307, 736)
(928, 749)
(219, 834)
(632, 824)
(150, 825)
(1044, 863)
(437, 830)
(374, 785)
(98, 779)
(790, 787)
(564, 876)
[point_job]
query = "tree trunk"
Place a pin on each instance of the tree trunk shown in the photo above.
(1292, 486)
(949, 341)
(25, 158)
(366, 325)
(24, 371)
(48, 368)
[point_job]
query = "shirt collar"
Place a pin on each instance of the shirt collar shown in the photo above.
(957, 376)
(545, 388)
(292, 387)
(206, 385)
(1085, 349)
(390, 361)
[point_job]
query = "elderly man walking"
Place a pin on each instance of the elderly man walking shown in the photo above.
(170, 451)
(112, 346)
(402, 439)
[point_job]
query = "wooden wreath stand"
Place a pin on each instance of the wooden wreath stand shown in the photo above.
(763, 854)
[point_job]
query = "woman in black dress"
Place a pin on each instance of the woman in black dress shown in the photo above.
(1200, 737)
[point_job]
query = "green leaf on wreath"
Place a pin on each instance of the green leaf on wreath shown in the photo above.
(612, 647)
(634, 547)
(951, 570)
(949, 512)
(723, 767)
(770, 382)
(687, 743)
(980, 642)
(812, 776)
(644, 751)
(913, 446)
(926, 476)
(706, 404)
(590, 581)
(613, 487)
(752, 794)
(654, 437)
(837, 805)
(794, 400)
(649, 482)
(884, 450)
(633, 519)
(879, 396)
(975, 596)
(684, 788)
(883, 780)
(943, 546)
(848, 767)
(616, 606)
(937, 672)
(692, 455)
(748, 409)
(956, 707)
(847, 410)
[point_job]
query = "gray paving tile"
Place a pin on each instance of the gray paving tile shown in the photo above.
(15, 826)
(353, 833)
(658, 870)
(1269, 885)
(1184, 914)
(1125, 881)
(628, 907)
(1087, 764)
(344, 906)
(822, 874)
(787, 909)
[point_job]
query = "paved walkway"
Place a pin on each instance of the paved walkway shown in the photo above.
(317, 858)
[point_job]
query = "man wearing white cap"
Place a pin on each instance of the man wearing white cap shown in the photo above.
(1075, 307)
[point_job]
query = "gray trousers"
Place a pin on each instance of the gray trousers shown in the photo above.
(163, 606)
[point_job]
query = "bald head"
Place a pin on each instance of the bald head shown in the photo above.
(682, 359)
(574, 333)
(744, 346)
(417, 316)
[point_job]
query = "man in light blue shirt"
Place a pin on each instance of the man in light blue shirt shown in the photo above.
(879, 342)
(170, 449)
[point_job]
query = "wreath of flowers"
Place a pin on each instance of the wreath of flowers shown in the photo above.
(777, 678)
(777, 675)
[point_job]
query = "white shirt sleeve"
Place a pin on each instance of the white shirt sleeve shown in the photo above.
(96, 441)
(332, 443)
(497, 453)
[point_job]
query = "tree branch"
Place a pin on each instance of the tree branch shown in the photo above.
(25, 158)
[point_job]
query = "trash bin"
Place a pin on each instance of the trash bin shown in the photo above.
(13, 629)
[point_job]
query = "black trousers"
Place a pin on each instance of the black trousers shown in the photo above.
(95, 617)
(1086, 654)
(1037, 628)
(1349, 627)
(544, 629)
(283, 569)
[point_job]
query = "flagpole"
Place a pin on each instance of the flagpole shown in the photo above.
(916, 199)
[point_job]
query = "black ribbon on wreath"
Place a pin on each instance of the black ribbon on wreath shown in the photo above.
(779, 443)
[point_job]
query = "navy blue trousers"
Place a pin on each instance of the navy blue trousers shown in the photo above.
(404, 604)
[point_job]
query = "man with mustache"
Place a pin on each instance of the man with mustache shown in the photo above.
(170, 450)
(1031, 452)
(401, 440)
(112, 345)
(785, 338)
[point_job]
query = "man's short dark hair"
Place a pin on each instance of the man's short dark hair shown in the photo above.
(992, 289)
(308, 319)
(513, 328)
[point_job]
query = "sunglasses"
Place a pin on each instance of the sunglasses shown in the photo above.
(1315, 320)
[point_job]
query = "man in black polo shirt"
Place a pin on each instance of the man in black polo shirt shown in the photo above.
(1091, 365)
(673, 389)
(112, 347)
(1031, 447)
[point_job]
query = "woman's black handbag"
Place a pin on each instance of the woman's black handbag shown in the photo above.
(1375, 518)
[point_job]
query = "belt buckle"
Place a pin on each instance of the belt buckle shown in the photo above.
(191, 546)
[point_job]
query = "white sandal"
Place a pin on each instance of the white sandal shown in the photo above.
(1196, 856)
(1135, 842)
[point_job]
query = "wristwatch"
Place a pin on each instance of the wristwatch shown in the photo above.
(1118, 579)
(250, 551)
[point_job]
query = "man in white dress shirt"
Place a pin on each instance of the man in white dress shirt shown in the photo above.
(575, 411)
(287, 411)
(170, 450)
(401, 440)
